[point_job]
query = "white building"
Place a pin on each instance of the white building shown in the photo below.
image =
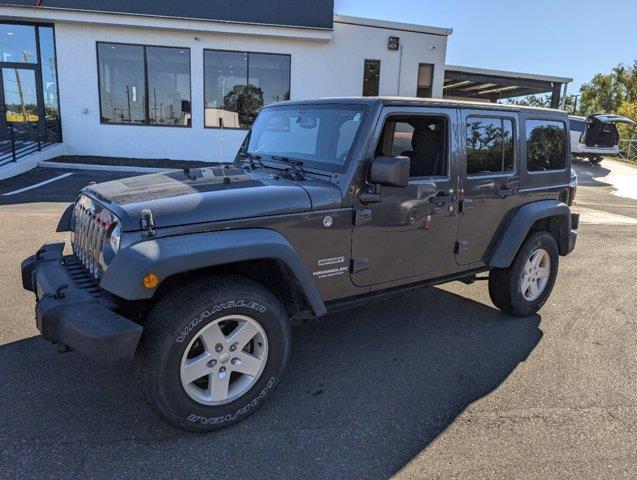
(168, 79)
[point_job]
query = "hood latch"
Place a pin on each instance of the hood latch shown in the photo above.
(148, 222)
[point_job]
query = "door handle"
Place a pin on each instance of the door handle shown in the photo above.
(505, 191)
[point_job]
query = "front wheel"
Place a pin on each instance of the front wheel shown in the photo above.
(212, 352)
(523, 287)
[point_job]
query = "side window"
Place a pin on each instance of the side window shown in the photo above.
(545, 145)
(577, 125)
(423, 139)
(489, 145)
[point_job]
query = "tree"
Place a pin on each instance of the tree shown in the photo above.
(606, 93)
(532, 101)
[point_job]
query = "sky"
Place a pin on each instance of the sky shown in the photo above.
(565, 38)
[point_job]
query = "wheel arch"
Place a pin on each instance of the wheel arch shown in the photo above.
(260, 254)
(545, 215)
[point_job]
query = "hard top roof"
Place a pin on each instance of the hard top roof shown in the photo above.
(415, 101)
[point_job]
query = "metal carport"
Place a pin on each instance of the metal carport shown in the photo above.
(492, 85)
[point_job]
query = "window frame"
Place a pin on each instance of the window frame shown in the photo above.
(248, 52)
(501, 173)
(147, 99)
(567, 133)
(448, 124)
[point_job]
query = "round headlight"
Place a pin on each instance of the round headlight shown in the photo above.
(115, 236)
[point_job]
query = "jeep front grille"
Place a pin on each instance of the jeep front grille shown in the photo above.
(90, 227)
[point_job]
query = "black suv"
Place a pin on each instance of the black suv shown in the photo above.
(198, 274)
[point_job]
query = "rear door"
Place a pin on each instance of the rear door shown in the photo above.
(601, 130)
(490, 181)
(613, 119)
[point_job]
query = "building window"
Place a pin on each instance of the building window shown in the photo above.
(144, 85)
(238, 84)
(49, 74)
(17, 43)
(425, 80)
(546, 145)
(371, 78)
(489, 146)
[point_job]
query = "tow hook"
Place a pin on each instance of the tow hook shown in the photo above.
(59, 293)
(61, 348)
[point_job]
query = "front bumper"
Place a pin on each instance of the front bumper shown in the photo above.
(69, 311)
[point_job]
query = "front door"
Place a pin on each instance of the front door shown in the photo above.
(410, 232)
(21, 104)
(490, 182)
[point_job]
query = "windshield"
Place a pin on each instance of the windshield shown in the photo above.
(314, 134)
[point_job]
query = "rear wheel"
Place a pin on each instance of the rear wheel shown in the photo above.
(212, 351)
(595, 160)
(523, 287)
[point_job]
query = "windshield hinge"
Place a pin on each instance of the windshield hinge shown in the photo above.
(362, 217)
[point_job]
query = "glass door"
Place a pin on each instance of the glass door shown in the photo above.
(21, 108)
(28, 85)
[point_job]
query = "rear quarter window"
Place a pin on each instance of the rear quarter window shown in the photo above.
(577, 125)
(546, 145)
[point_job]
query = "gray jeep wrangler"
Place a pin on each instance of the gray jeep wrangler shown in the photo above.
(198, 274)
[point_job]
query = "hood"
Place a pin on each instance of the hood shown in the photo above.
(205, 195)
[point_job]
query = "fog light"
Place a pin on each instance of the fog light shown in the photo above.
(150, 280)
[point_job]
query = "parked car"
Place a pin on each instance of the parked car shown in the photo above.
(198, 275)
(596, 136)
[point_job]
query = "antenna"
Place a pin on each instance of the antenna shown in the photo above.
(223, 104)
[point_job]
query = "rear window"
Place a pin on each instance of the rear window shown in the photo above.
(489, 145)
(546, 145)
(577, 125)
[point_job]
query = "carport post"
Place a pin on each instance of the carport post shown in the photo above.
(555, 96)
(563, 105)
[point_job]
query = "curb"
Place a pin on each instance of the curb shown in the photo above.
(107, 168)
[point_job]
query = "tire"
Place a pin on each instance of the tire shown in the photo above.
(595, 160)
(506, 284)
(178, 338)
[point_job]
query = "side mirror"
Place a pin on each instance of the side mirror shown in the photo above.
(390, 171)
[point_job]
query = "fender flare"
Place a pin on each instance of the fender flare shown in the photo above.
(520, 224)
(168, 256)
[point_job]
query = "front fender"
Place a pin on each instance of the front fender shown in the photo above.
(169, 256)
(520, 225)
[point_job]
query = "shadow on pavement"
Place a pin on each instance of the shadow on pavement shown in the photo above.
(365, 392)
(590, 175)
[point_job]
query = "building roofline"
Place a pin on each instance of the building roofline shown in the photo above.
(397, 26)
(506, 74)
(31, 13)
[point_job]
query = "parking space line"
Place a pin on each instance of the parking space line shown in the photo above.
(30, 187)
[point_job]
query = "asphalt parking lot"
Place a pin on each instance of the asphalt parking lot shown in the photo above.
(432, 384)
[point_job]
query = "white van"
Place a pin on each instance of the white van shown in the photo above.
(596, 136)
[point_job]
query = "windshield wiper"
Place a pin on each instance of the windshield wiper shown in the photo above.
(251, 157)
(293, 162)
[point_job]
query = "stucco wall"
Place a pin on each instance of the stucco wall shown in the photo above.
(319, 69)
